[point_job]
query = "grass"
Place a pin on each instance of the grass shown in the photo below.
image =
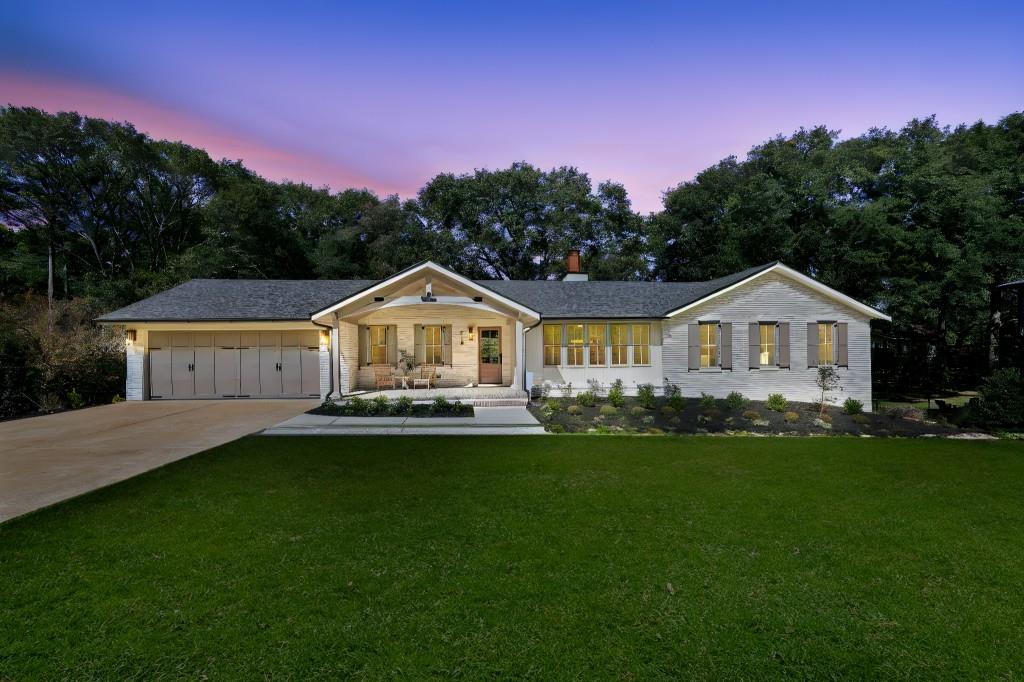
(585, 557)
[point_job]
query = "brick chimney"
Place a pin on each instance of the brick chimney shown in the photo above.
(572, 268)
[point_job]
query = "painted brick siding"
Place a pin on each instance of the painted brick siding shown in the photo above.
(772, 298)
(135, 377)
(325, 373)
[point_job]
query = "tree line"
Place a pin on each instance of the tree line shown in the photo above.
(922, 222)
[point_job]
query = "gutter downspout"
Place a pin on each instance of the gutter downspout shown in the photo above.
(330, 352)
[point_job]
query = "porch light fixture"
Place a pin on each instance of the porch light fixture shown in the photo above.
(472, 336)
(129, 336)
(325, 339)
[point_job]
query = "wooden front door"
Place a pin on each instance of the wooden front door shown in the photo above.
(490, 355)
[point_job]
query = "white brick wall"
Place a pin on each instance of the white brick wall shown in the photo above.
(135, 377)
(325, 373)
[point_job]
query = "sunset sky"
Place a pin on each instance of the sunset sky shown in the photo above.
(387, 95)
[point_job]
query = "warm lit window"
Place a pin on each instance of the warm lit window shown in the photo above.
(596, 339)
(620, 345)
(826, 348)
(641, 344)
(552, 344)
(708, 344)
(768, 332)
(379, 344)
(433, 347)
(574, 344)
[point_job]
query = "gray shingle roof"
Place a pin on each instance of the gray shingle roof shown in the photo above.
(251, 299)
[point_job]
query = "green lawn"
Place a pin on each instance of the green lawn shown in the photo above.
(607, 557)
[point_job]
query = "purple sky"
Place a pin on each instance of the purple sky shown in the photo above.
(357, 95)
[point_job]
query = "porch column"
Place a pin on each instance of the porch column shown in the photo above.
(517, 368)
(336, 360)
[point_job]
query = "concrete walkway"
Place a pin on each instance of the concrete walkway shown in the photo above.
(487, 421)
(47, 459)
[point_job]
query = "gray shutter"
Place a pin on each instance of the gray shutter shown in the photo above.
(420, 353)
(392, 341)
(842, 341)
(725, 357)
(812, 344)
(754, 345)
(784, 344)
(693, 341)
(446, 344)
(364, 345)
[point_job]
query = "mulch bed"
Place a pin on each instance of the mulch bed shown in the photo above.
(631, 418)
(454, 409)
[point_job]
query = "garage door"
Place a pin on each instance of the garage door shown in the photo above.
(234, 364)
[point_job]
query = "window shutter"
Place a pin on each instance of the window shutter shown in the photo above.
(754, 345)
(725, 356)
(693, 341)
(842, 353)
(656, 333)
(812, 344)
(446, 344)
(364, 345)
(392, 341)
(784, 345)
(420, 353)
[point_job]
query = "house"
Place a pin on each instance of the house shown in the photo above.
(760, 331)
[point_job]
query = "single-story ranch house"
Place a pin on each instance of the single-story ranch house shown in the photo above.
(760, 331)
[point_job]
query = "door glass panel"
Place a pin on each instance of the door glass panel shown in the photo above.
(490, 346)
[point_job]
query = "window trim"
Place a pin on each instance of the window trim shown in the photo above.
(374, 346)
(439, 346)
(627, 347)
(572, 349)
(831, 326)
(717, 324)
(775, 343)
(634, 346)
(558, 347)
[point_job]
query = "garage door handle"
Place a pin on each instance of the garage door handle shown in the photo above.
(279, 367)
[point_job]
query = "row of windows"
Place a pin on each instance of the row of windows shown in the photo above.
(768, 344)
(597, 343)
(433, 344)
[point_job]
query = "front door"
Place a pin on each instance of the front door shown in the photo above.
(490, 355)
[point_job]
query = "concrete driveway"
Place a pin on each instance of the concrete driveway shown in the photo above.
(47, 459)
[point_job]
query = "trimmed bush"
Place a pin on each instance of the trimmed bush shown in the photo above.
(853, 406)
(402, 405)
(668, 410)
(616, 396)
(574, 410)
(380, 405)
(735, 400)
(707, 401)
(751, 415)
(608, 410)
(554, 428)
(645, 396)
(1001, 402)
(440, 404)
(637, 411)
(585, 398)
(860, 418)
(674, 397)
(358, 407)
(776, 402)
(791, 417)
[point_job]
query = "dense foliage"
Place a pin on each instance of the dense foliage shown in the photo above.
(921, 222)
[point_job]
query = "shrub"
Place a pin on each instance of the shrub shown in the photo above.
(751, 415)
(616, 396)
(853, 406)
(668, 410)
(1001, 402)
(595, 386)
(676, 402)
(707, 401)
(402, 405)
(735, 400)
(585, 398)
(712, 413)
(117, 399)
(608, 410)
(860, 418)
(637, 411)
(554, 428)
(554, 405)
(358, 407)
(547, 411)
(574, 410)
(776, 402)
(380, 405)
(75, 399)
(645, 396)
(440, 404)
(791, 417)
(329, 407)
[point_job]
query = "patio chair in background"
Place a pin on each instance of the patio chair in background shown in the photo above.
(426, 378)
(383, 376)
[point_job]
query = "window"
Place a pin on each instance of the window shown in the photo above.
(379, 344)
(768, 342)
(641, 344)
(596, 339)
(620, 345)
(826, 346)
(708, 344)
(574, 344)
(433, 348)
(552, 344)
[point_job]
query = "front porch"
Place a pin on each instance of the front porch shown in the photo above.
(478, 396)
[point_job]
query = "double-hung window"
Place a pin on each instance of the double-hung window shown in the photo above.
(379, 344)
(552, 345)
(826, 343)
(709, 345)
(768, 344)
(641, 344)
(620, 344)
(574, 345)
(433, 348)
(597, 337)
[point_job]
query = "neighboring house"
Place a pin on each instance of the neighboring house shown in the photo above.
(760, 331)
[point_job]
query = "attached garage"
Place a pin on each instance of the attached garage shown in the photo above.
(233, 364)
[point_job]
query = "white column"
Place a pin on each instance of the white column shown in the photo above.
(135, 376)
(520, 364)
(336, 360)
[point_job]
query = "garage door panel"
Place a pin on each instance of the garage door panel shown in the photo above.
(270, 373)
(160, 373)
(182, 384)
(225, 371)
(204, 372)
(249, 371)
(291, 371)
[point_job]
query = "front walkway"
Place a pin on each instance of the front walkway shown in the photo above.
(486, 421)
(47, 459)
(484, 396)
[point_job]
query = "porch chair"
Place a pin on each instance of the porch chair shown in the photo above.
(426, 378)
(383, 376)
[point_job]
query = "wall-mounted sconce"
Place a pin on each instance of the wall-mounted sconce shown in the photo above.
(325, 339)
(471, 334)
(129, 336)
